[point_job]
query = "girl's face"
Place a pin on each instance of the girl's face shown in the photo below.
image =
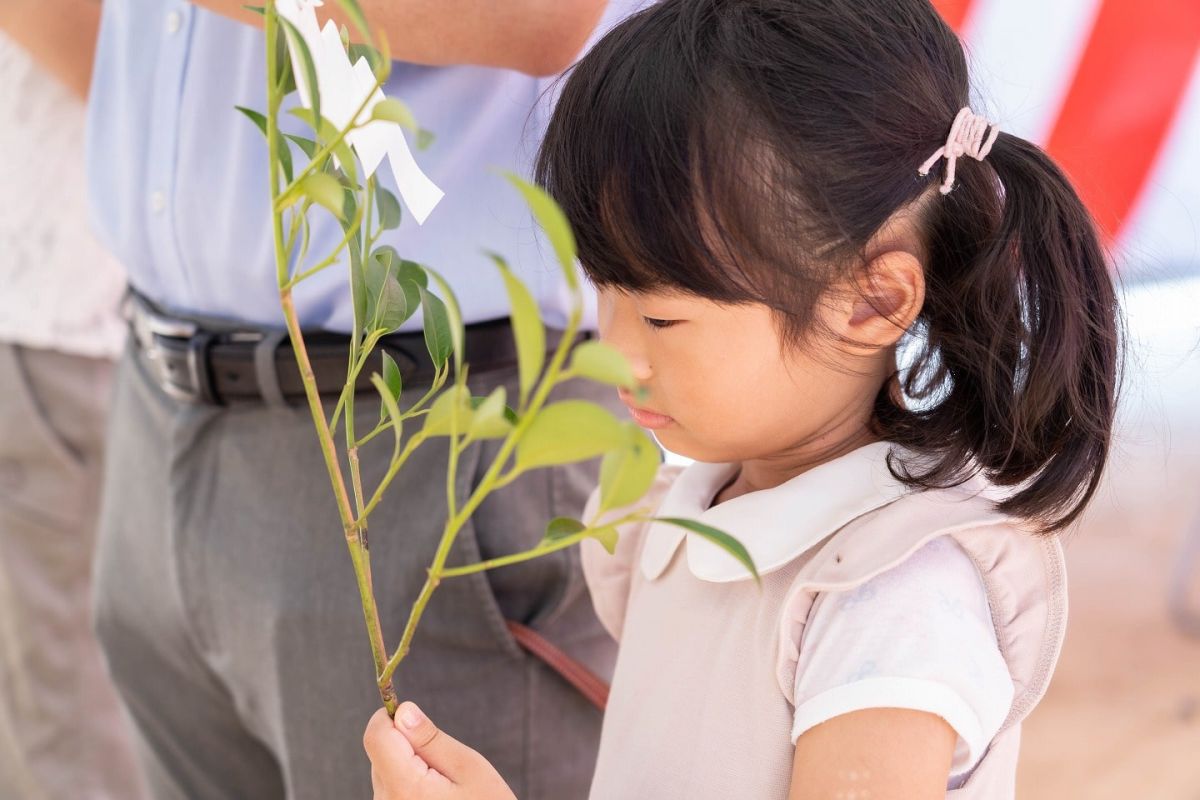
(720, 384)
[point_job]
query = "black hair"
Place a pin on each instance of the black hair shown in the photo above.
(748, 150)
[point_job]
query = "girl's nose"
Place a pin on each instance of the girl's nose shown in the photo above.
(619, 329)
(640, 365)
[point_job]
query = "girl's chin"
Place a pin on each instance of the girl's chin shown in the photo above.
(675, 441)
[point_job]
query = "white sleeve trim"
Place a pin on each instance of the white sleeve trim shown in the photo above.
(889, 692)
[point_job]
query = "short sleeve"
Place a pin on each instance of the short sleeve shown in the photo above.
(608, 576)
(918, 636)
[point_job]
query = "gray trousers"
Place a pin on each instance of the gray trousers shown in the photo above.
(228, 610)
(62, 734)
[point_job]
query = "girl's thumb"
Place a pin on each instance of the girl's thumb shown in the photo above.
(441, 751)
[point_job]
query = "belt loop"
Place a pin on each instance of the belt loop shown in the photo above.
(199, 369)
(265, 369)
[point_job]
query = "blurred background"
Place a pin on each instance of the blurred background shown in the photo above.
(1111, 88)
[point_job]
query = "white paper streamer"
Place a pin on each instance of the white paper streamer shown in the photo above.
(343, 88)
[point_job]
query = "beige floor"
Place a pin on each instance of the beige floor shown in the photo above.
(1122, 717)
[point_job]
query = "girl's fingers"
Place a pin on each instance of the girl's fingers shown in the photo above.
(381, 739)
(397, 773)
(442, 752)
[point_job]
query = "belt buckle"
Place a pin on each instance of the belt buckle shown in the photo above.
(149, 327)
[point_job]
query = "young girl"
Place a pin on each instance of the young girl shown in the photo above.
(768, 194)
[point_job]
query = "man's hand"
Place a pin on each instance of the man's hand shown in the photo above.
(412, 760)
(537, 37)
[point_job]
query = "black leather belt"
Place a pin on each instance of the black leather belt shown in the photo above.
(206, 366)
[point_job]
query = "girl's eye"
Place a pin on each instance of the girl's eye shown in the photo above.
(659, 323)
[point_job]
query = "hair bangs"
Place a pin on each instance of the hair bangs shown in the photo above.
(629, 156)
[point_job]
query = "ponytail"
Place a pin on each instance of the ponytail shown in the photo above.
(1018, 375)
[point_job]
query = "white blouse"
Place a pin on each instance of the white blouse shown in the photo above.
(918, 636)
(59, 289)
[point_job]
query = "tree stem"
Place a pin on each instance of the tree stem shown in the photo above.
(353, 533)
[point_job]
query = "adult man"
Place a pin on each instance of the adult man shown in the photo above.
(226, 604)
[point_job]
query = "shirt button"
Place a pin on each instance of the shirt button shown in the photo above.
(158, 202)
(174, 22)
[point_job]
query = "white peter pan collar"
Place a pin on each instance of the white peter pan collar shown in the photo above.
(775, 525)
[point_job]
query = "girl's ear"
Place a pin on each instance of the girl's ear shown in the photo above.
(884, 300)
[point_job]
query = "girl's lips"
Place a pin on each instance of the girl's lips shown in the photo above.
(649, 419)
(643, 416)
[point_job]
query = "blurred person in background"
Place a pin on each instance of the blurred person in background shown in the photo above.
(62, 734)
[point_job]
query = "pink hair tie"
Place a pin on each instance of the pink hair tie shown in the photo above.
(965, 139)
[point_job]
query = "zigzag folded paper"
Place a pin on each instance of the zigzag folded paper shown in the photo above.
(343, 87)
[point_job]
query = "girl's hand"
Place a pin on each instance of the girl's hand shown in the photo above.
(412, 760)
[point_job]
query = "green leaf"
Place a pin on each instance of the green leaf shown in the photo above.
(374, 59)
(326, 132)
(308, 146)
(258, 119)
(347, 161)
(717, 537)
(326, 191)
(344, 35)
(627, 473)
(284, 153)
(389, 209)
(489, 419)
(553, 222)
(389, 405)
(297, 44)
(285, 78)
(561, 528)
(393, 379)
(354, 12)
(566, 432)
(451, 408)
(528, 331)
(606, 535)
(412, 271)
(383, 68)
(391, 374)
(509, 414)
(390, 298)
(349, 206)
(437, 328)
(457, 329)
(604, 363)
(386, 257)
(256, 9)
(392, 110)
(393, 307)
(285, 158)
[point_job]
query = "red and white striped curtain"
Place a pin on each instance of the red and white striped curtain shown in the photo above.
(1111, 89)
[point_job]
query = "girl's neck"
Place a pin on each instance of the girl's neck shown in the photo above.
(767, 472)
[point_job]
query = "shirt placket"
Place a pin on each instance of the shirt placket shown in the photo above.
(162, 158)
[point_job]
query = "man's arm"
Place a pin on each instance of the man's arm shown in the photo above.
(537, 37)
(59, 34)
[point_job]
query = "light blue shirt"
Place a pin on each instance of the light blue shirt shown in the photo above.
(178, 178)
